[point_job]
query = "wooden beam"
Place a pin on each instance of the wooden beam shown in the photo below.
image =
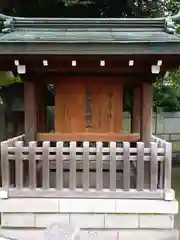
(93, 61)
(92, 68)
(146, 113)
(30, 111)
(54, 78)
(56, 58)
(136, 110)
(92, 137)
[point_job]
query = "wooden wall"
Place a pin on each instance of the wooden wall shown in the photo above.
(86, 104)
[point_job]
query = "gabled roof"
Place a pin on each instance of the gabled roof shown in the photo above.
(148, 35)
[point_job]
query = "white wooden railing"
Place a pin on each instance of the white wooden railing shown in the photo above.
(83, 170)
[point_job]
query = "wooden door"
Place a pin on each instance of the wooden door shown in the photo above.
(88, 105)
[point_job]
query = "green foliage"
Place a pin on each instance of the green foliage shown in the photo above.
(84, 8)
(7, 79)
(127, 99)
(167, 98)
(166, 92)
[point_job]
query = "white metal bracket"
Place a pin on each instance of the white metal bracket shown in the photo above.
(169, 195)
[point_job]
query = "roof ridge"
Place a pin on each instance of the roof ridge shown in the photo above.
(5, 17)
(10, 23)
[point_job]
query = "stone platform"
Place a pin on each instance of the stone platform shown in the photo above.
(113, 219)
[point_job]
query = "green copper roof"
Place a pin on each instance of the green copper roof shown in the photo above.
(96, 36)
(85, 29)
(17, 30)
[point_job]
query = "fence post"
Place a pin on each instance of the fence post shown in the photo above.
(154, 165)
(126, 167)
(167, 166)
(112, 166)
(19, 165)
(86, 159)
(72, 175)
(140, 166)
(32, 165)
(59, 165)
(4, 166)
(45, 165)
(99, 166)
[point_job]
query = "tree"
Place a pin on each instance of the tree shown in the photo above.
(87, 8)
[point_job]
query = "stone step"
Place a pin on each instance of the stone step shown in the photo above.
(101, 234)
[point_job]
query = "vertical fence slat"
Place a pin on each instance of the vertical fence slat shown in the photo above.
(161, 168)
(99, 173)
(45, 165)
(32, 165)
(18, 165)
(85, 166)
(161, 175)
(72, 182)
(112, 166)
(154, 166)
(59, 165)
(168, 164)
(5, 166)
(126, 167)
(140, 166)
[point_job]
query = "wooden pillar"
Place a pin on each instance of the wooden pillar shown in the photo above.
(136, 110)
(146, 113)
(41, 107)
(30, 111)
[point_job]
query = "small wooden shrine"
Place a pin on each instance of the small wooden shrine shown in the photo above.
(87, 168)
(89, 62)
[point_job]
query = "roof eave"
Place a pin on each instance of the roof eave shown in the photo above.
(55, 48)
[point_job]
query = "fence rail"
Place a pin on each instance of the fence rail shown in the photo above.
(11, 142)
(98, 170)
(164, 167)
(160, 142)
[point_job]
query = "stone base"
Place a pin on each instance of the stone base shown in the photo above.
(101, 218)
(88, 220)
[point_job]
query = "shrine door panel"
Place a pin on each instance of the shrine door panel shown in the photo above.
(82, 105)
